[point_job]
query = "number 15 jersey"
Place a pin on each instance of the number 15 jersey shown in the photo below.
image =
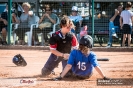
(82, 65)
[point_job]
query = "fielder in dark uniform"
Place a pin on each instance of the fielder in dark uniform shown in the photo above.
(61, 43)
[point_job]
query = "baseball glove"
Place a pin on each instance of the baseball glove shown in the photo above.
(19, 60)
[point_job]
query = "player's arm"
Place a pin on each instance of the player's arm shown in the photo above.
(96, 65)
(94, 62)
(53, 46)
(66, 69)
(69, 65)
(59, 54)
(70, 62)
(99, 70)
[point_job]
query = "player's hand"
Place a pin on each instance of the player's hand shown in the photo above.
(57, 78)
(106, 78)
(66, 56)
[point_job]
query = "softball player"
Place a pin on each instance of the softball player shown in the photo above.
(61, 43)
(82, 60)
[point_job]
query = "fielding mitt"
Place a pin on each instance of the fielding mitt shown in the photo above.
(19, 60)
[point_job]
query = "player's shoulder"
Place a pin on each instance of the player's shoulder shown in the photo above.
(75, 51)
(57, 33)
(92, 53)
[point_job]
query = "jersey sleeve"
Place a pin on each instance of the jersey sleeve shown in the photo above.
(74, 41)
(93, 59)
(52, 42)
(71, 58)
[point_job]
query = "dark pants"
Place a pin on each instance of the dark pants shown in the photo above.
(51, 63)
(127, 29)
(2, 25)
(45, 32)
(21, 33)
(22, 29)
(83, 77)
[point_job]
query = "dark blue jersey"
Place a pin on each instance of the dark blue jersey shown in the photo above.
(82, 65)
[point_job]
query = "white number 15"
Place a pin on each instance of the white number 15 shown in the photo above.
(81, 65)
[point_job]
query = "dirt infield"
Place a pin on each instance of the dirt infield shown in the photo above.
(120, 65)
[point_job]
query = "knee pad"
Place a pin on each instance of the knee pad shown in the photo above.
(45, 72)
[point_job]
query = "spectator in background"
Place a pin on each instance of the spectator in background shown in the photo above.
(46, 23)
(4, 23)
(126, 21)
(26, 19)
(114, 24)
(77, 19)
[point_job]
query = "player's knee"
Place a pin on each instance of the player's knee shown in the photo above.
(45, 72)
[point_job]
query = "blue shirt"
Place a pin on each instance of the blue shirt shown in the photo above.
(76, 19)
(82, 65)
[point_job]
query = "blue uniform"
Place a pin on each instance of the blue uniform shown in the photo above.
(82, 65)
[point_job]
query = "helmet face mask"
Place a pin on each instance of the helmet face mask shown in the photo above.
(86, 41)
